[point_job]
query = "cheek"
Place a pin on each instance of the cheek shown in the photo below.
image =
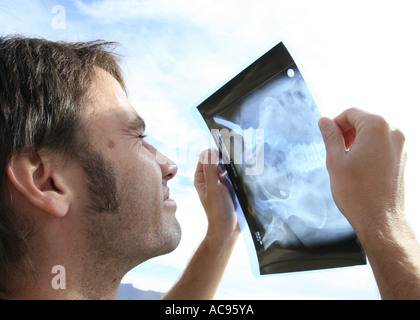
(142, 184)
(149, 228)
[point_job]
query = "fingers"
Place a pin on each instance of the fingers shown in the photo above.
(361, 121)
(354, 122)
(209, 156)
(333, 139)
(211, 173)
(207, 171)
(350, 119)
(369, 130)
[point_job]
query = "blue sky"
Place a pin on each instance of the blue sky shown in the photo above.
(176, 52)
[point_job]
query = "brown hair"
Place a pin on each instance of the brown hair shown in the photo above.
(43, 88)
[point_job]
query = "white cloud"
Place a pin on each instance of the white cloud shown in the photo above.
(19, 17)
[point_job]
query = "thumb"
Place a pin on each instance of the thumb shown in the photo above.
(209, 159)
(333, 137)
(211, 174)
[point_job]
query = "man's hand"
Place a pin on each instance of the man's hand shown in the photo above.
(205, 270)
(366, 161)
(215, 197)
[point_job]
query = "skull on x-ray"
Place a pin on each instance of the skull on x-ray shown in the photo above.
(291, 196)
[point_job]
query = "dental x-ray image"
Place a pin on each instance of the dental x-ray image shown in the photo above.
(265, 123)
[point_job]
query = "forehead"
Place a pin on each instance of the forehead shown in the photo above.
(109, 104)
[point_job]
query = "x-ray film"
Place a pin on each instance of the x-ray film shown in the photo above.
(265, 124)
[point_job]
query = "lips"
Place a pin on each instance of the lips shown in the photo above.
(168, 203)
(166, 193)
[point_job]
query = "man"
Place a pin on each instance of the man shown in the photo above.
(81, 188)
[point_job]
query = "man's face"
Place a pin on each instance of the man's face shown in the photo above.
(144, 224)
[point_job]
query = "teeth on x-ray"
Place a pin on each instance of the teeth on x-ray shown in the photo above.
(287, 202)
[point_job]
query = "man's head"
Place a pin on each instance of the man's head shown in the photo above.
(77, 174)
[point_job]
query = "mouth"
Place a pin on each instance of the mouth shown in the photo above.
(167, 201)
(166, 193)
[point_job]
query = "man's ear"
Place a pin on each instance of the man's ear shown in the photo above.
(36, 178)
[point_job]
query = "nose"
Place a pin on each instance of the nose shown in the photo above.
(168, 167)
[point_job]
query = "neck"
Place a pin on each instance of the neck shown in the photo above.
(72, 278)
(66, 264)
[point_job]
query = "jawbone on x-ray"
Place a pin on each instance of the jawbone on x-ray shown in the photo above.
(287, 203)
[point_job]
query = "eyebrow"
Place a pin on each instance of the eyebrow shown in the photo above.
(137, 124)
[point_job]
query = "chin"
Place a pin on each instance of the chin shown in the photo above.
(163, 243)
(174, 237)
(166, 239)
